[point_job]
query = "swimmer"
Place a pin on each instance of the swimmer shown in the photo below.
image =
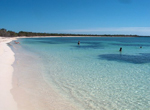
(78, 42)
(120, 49)
(16, 42)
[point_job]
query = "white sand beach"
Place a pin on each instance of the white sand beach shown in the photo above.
(12, 97)
(6, 70)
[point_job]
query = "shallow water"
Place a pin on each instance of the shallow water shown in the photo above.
(93, 75)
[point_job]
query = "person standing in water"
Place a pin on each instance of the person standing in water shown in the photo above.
(120, 49)
(78, 42)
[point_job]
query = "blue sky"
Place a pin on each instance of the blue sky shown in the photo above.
(76, 16)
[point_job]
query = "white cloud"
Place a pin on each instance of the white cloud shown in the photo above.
(118, 30)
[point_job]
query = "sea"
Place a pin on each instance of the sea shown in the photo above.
(94, 75)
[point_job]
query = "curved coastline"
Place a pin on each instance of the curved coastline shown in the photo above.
(30, 91)
(7, 58)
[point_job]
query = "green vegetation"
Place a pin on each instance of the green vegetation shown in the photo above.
(5, 33)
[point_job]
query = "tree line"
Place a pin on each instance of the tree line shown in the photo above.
(5, 33)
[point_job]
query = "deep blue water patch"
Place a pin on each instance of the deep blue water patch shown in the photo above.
(135, 59)
(49, 42)
(37, 42)
(118, 44)
(88, 45)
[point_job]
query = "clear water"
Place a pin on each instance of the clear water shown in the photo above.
(94, 75)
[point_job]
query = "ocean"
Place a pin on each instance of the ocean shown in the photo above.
(94, 75)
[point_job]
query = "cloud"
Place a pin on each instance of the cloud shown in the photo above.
(122, 29)
(113, 30)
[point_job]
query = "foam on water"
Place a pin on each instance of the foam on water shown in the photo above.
(95, 75)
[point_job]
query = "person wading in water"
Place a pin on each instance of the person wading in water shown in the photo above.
(78, 42)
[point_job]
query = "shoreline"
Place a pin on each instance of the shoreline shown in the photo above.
(13, 96)
(30, 90)
(7, 58)
(71, 36)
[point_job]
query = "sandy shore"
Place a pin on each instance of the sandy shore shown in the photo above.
(6, 70)
(13, 96)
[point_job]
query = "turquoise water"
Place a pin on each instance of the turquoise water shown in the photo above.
(93, 75)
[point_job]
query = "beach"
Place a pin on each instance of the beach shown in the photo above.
(58, 74)
(12, 94)
(6, 70)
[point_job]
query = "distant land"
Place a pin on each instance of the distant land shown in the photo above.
(5, 33)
